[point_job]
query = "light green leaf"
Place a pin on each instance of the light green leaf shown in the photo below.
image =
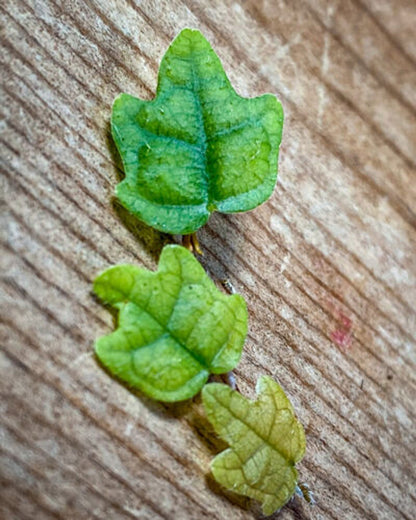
(265, 439)
(198, 146)
(174, 327)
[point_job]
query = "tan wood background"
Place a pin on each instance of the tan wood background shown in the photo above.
(327, 265)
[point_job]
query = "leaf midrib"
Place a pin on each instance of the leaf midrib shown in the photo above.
(266, 441)
(196, 88)
(166, 330)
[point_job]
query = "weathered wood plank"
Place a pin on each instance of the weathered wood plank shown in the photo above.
(327, 265)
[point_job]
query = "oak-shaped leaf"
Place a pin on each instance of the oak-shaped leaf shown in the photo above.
(198, 146)
(265, 438)
(174, 326)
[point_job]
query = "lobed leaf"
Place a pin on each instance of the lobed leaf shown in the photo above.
(174, 326)
(265, 439)
(198, 147)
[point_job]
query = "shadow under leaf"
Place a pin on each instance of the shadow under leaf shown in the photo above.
(238, 500)
(115, 156)
(153, 241)
(164, 410)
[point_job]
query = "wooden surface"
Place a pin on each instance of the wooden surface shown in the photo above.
(327, 265)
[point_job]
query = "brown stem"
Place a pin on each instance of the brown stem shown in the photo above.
(191, 243)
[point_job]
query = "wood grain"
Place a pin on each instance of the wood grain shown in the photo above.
(327, 265)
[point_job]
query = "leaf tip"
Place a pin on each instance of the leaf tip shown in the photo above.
(112, 285)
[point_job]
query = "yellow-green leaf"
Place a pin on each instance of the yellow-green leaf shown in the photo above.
(198, 147)
(266, 441)
(174, 326)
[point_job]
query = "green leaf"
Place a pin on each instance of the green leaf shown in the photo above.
(174, 327)
(266, 441)
(198, 146)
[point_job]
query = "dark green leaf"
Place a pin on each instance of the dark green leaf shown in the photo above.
(198, 147)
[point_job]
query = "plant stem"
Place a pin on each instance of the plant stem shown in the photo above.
(191, 243)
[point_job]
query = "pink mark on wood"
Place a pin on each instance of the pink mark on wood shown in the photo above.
(346, 322)
(341, 338)
(342, 335)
